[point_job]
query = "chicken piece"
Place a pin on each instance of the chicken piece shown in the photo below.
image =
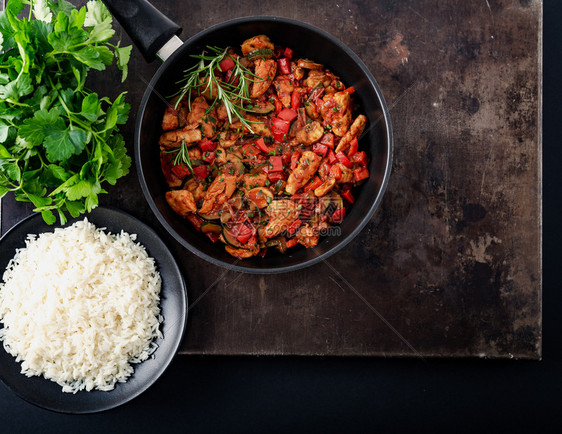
(181, 201)
(324, 169)
(170, 120)
(218, 193)
(309, 64)
(282, 213)
(220, 156)
(346, 174)
(309, 235)
(306, 168)
(202, 117)
(284, 88)
(326, 78)
(355, 130)
(336, 111)
(197, 189)
(242, 253)
(315, 78)
(326, 187)
(260, 197)
(208, 91)
(173, 139)
(250, 181)
(298, 73)
(265, 70)
(312, 111)
(228, 138)
(222, 114)
(256, 43)
(233, 165)
(311, 133)
(258, 125)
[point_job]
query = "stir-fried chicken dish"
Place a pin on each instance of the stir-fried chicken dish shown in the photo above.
(261, 149)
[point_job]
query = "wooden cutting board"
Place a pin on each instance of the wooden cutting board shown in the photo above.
(451, 263)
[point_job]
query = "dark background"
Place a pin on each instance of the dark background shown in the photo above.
(220, 394)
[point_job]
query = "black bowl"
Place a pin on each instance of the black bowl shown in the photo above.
(307, 42)
(173, 306)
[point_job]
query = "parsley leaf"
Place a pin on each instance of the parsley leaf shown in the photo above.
(43, 123)
(61, 144)
(59, 141)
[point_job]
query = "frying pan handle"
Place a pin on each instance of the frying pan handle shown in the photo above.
(149, 28)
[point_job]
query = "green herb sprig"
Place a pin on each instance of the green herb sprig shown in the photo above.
(181, 157)
(59, 141)
(234, 94)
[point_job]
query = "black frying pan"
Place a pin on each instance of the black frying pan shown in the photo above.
(150, 31)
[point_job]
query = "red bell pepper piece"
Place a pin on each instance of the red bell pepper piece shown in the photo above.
(295, 160)
(320, 149)
(360, 158)
(332, 157)
(279, 127)
(180, 170)
(361, 174)
(346, 194)
(335, 172)
(229, 79)
(344, 160)
(226, 64)
(209, 157)
(316, 93)
(276, 163)
(288, 53)
(201, 171)
(294, 226)
(338, 215)
(287, 114)
(278, 136)
(212, 236)
(207, 145)
(328, 140)
(195, 220)
(350, 90)
(250, 151)
(284, 65)
(262, 146)
(353, 147)
(312, 185)
(243, 233)
(295, 100)
(275, 176)
(292, 242)
(277, 102)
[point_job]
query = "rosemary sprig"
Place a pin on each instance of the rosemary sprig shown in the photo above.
(234, 94)
(182, 156)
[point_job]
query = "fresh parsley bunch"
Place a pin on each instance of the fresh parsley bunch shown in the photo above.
(59, 141)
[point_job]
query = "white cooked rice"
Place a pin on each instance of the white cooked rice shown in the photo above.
(79, 305)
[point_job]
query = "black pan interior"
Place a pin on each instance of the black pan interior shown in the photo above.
(307, 42)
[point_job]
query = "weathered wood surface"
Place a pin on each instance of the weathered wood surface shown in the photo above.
(451, 263)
